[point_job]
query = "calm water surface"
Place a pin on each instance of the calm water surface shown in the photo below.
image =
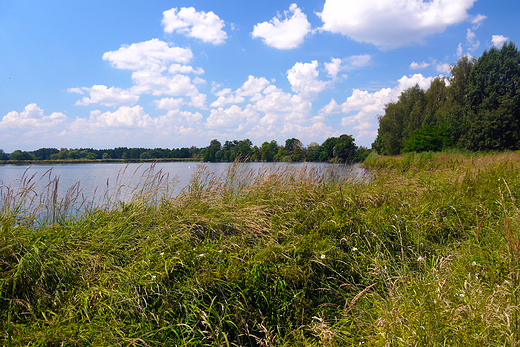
(105, 179)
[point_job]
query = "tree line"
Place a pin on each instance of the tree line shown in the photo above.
(333, 149)
(478, 108)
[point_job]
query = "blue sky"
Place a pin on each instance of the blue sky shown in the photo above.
(171, 74)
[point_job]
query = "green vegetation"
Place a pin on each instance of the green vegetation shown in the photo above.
(422, 249)
(334, 149)
(477, 109)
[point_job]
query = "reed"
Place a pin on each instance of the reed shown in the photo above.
(416, 250)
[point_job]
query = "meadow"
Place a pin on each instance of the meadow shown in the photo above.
(423, 250)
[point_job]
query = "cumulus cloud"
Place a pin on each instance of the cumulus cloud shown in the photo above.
(158, 84)
(124, 117)
(232, 117)
(149, 55)
(331, 108)
(303, 78)
(201, 25)
(287, 33)
(31, 117)
(422, 65)
(169, 103)
(369, 104)
(333, 67)
(442, 68)
(252, 86)
(224, 100)
(499, 40)
(392, 23)
(100, 94)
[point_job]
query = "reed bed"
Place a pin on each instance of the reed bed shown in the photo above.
(419, 250)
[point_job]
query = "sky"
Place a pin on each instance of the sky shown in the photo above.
(171, 74)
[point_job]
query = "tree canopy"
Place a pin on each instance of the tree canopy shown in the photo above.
(478, 108)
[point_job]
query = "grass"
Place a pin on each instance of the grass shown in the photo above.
(422, 250)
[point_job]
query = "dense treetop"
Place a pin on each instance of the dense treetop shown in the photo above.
(478, 108)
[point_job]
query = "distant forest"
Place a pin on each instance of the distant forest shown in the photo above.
(334, 149)
(477, 109)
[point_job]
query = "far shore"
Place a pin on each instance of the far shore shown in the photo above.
(89, 161)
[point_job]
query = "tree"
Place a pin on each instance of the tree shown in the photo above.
(327, 149)
(3, 155)
(294, 149)
(345, 149)
(268, 150)
(493, 100)
(209, 153)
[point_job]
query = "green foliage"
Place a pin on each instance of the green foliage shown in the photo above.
(479, 109)
(493, 100)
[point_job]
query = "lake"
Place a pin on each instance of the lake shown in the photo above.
(107, 183)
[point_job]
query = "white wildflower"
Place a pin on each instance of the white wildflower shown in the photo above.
(153, 277)
(201, 255)
(322, 256)
(354, 249)
(420, 258)
(162, 253)
(474, 263)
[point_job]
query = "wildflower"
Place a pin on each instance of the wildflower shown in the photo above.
(474, 263)
(153, 277)
(162, 253)
(201, 255)
(420, 258)
(220, 251)
(354, 249)
(322, 256)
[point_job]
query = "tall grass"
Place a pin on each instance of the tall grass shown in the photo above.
(424, 252)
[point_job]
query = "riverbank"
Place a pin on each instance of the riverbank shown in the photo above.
(426, 252)
(90, 161)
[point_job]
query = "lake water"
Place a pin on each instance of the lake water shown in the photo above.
(100, 183)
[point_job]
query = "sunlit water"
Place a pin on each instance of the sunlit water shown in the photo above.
(103, 183)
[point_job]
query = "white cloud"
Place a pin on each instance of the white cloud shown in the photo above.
(278, 106)
(184, 69)
(473, 43)
(357, 61)
(252, 86)
(233, 117)
(499, 40)
(201, 25)
(422, 65)
(333, 67)
(331, 108)
(100, 94)
(149, 55)
(224, 100)
(157, 84)
(477, 21)
(169, 103)
(303, 78)
(459, 50)
(286, 34)
(392, 23)
(350, 63)
(124, 117)
(369, 104)
(31, 117)
(442, 68)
